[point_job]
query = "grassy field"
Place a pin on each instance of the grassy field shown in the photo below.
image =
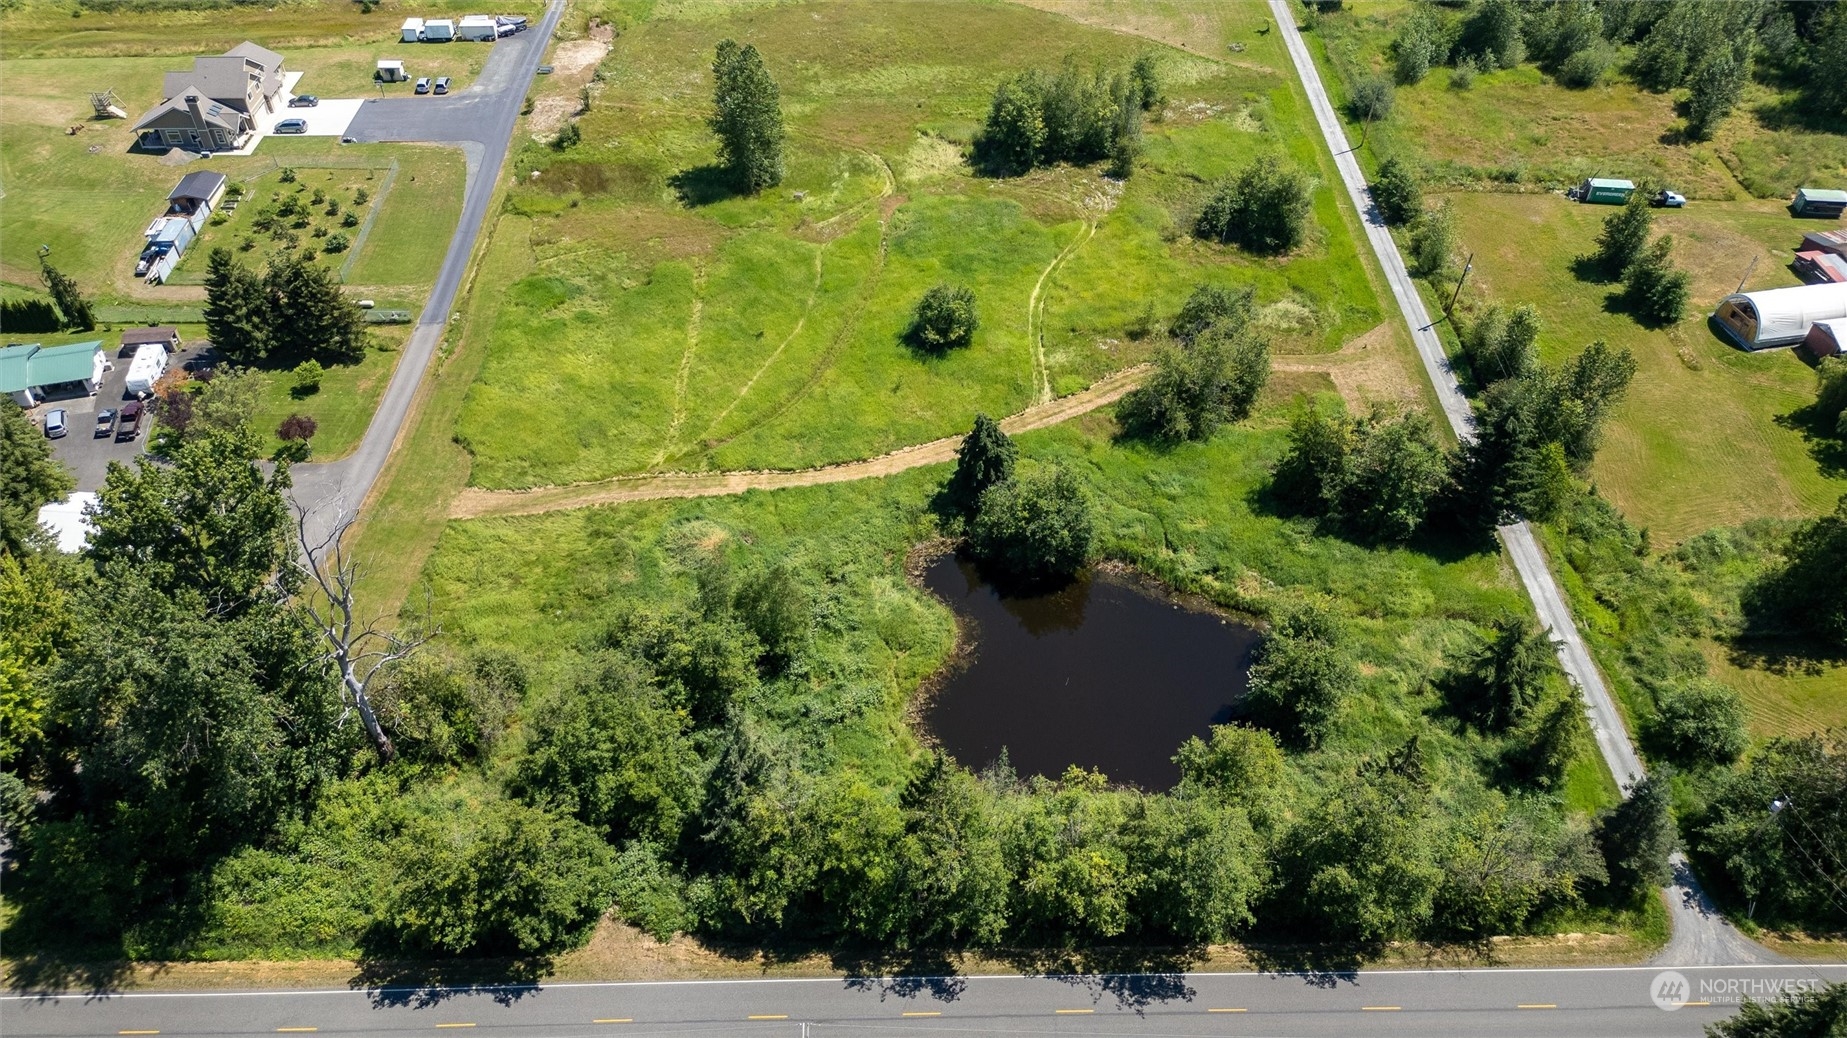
(88, 196)
(1704, 437)
(680, 328)
(1517, 127)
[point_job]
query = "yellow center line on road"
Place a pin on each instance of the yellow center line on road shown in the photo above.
(1072, 1012)
(614, 1020)
(920, 1013)
(455, 1025)
(768, 1016)
(1537, 1005)
(137, 1032)
(1380, 1009)
(1227, 1010)
(296, 1030)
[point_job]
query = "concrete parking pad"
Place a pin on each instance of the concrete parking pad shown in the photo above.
(330, 118)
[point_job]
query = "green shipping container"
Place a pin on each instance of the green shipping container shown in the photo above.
(1606, 192)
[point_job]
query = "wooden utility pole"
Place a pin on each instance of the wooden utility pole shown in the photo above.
(1747, 272)
(1467, 265)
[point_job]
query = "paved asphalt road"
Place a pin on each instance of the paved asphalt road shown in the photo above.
(1463, 1003)
(1701, 935)
(480, 119)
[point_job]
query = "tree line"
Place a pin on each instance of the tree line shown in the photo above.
(294, 311)
(1711, 50)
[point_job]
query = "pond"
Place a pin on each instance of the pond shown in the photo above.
(1101, 673)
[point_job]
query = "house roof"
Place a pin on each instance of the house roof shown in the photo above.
(215, 114)
(13, 367)
(161, 333)
(34, 365)
(1827, 264)
(269, 59)
(1822, 194)
(225, 79)
(198, 184)
(1784, 315)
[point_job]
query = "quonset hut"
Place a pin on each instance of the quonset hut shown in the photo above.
(1779, 316)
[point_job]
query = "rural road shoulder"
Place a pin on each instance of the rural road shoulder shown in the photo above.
(480, 120)
(1701, 934)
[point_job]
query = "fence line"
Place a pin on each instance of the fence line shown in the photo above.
(365, 229)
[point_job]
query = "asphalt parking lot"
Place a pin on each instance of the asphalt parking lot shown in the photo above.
(86, 454)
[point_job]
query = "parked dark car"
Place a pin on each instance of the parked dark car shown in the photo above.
(105, 422)
(57, 423)
(292, 126)
(423, 84)
(304, 101)
(128, 425)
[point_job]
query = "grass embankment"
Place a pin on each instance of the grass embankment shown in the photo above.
(683, 328)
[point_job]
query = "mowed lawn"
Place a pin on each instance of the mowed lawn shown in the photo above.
(665, 324)
(89, 196)
(1704, 437)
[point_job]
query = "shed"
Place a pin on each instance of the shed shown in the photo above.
(28, 371)
(413, 30)
(1826, 241)
(390, 70)
(1779, 316)
(438, 30)
(1608, 192)
(163, 334)
(196, 191)
(1820, 202)
(1815, 267)
(1827, 339)
(69, 521)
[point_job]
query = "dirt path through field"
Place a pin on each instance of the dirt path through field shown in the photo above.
(474, 503)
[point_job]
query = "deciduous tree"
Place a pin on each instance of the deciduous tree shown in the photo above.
(945, 318)
(1396, 191)
(1035, 527)
(1303, 674)
(30, 478)
(1263, 208)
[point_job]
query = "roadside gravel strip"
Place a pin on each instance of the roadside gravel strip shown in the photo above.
(1701, 935)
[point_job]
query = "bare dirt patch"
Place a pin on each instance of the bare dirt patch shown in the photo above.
(1368, 371)
(573, 64)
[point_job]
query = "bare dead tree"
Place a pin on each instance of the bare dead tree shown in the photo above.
(361, 649)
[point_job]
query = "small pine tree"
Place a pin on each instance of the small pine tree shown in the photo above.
(1655, 288)
(70, 300)
(1637, 836)
(1624, 236)
(235, 309)
(1506, 676)
(747, 117)
(986, 458)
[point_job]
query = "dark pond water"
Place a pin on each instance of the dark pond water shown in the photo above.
(1100, 674)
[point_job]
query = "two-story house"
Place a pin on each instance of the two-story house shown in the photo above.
(213, 105)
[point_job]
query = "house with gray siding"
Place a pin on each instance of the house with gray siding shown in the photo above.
(212, 106)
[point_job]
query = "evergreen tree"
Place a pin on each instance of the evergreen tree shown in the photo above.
(309, 315)
(1638, 835)
(68, 297)
(1624, 236)
(747, 117)
(1815, 1013)
(1804, 592)
(1655, 287)
(1397, 193)
(236, 309)
(30, 478)
(985, 458)
(1506, 676)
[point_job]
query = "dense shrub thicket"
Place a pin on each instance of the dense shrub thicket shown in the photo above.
(1262, 208)
(1072, 115)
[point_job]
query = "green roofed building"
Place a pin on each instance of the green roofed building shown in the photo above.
(28, 372)
(1825, 203)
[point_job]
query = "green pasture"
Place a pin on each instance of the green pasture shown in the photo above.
(665, 324)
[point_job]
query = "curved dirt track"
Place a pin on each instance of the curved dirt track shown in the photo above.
(473, 503)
